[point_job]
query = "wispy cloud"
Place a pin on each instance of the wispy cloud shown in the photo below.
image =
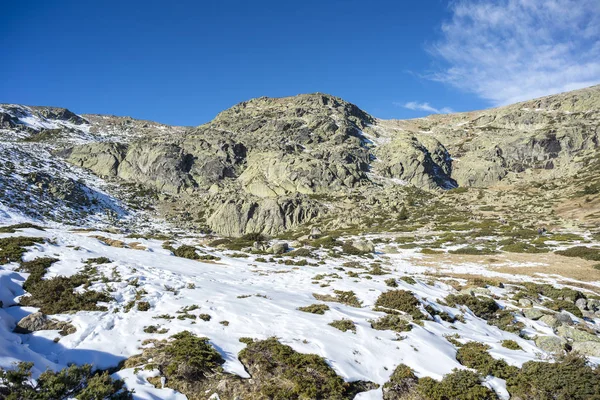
(414, 105)
(506, 51)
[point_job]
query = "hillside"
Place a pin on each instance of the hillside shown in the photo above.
(307, 245)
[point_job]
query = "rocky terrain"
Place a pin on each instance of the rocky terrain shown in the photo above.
(300, 248)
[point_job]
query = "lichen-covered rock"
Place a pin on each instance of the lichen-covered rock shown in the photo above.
(551, 344)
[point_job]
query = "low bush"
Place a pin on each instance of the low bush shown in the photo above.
(345, 297)
(344, 325)
(399, 300)
(72, 382)
(391, 322)
(57, 295)
(511, 344)
(457, 385)
(391, 282)
(13, 248)
(475, 355)
(13, 228)
(569, 378)
(292, 375)
(315, 309)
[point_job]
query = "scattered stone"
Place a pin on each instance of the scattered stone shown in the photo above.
(576, 335)
(40, 322)
(364, 246)
(550, 320)
(278, 248)
(533, 313)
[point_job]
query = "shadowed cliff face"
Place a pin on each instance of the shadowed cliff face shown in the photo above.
(271, 164)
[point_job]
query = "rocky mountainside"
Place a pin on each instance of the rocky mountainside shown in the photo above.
(300, 248)
(273, 164)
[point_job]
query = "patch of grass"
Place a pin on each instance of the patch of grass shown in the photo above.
(143, 306)
(315, 309)
(399, 300)
(470, 250)
(205, 317)
(522, 247)
(98, 260)
(344, 325)
(431, 251)
(587, 253)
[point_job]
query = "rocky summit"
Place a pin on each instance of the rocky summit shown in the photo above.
(300, 248)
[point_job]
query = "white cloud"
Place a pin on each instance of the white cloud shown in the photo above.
(506, 51)
(413, 105)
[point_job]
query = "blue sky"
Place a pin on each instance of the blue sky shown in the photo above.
(181, 62)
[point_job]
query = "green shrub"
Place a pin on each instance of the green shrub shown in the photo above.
(13, 228)
(399, 300)
(587, 253)
(488, 309)
(13, 248)
(348, 248)
(511, 344)
(469, 250)
(72, 382)
(143, 306)
(391, 322)
(344, 325)
(431, 251)
(402, 384)
(408, 280)
(568, 378)
(293, 375)
(315, 309)
(391, 282)
(57, 295)
(457, 385)
(302, 252)
(327, 242)
(345, 297)
(205, 317)
(474, 355)
(189, 357)
(98, 260)
(522, 247)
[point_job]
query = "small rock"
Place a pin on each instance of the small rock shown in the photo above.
(550, 320)
(564, 318)
(364, 246)
(525, 302)
(32, 323)
(581, 304)
(533, 313)
(315, 233)
(279, 248)
(40, 322)
(390, 249)
(551, 344)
